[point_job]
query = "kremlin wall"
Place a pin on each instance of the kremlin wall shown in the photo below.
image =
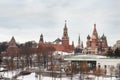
(94, 44)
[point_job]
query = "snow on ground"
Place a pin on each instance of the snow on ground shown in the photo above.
(106, 78)
(33, 76)
(8, 74)
(28, 77)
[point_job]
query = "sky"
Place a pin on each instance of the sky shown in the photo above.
(27, 19)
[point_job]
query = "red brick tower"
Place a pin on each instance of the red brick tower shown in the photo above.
(41, 39)
(12, 49)
(65, 38)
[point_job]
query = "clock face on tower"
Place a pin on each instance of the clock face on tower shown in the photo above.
(65, 33)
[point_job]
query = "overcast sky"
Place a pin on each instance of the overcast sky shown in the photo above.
(27, 19)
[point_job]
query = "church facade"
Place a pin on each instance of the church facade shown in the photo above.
(95, 44)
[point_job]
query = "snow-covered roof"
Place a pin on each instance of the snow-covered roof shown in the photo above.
(85, 57)
(63, 53)
(57, 41)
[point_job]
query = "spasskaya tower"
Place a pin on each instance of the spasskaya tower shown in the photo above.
(65, 38)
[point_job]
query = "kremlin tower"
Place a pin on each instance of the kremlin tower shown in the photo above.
(79, 48)
(41, 39)
(12, 48)
(65, 38)
(60, 44)
(63, 44)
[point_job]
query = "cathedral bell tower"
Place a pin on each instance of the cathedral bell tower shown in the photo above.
(65, 38)
(94, 37)
(95, 32)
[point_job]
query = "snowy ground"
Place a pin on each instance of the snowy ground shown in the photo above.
(32, 76)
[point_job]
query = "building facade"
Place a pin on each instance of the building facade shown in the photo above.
(117, 45)
(60, 44)
(12, 49)
(107, 65)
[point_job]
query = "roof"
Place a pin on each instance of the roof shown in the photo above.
(58, 40)
(85, 57)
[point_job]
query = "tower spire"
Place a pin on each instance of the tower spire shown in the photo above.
(79, 40)
(65, 23)
(95, 31)
(65, 32)
(41, 38)
(12, 42)
(65, 38)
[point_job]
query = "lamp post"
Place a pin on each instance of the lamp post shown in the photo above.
(60, 66)
(119, 70)
(71, 71)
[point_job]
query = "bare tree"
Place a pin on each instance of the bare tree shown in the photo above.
(98, 71)
(84, 68)
(27, 54)
(44, 54)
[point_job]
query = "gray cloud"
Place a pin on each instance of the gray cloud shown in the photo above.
(47, 16)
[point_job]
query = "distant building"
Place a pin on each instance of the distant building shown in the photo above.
(117, 45)
(60, 44)
(79, 48)
(12, 49)
(41, 42)
(106, 64)
(31, 44)
(95, 44)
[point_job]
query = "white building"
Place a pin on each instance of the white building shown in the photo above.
(106, 63)
(117, 45)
